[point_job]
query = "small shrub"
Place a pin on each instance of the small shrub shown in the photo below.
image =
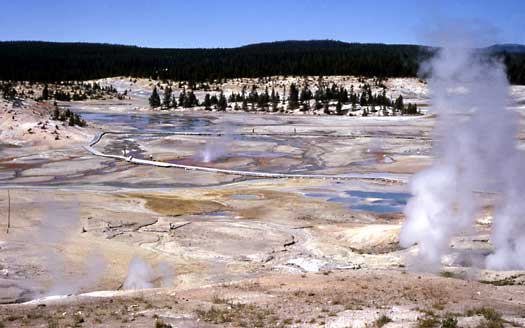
(161, 324)
(427, 322)
(218, 300)
(248, 315)
(381, 321)
(487, 312)
(492, 317)
(449, 322)
(447, 274)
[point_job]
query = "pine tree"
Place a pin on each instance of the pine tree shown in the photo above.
(399, 103)
(293, 97)
(207, 102)
(362, 100)
(339, 108)
(166, 101)
(326, 108)
(45, 93)
(223, 103)
(154, 99)
(193, 101)
(182, 98)
(305, 107)
(305, 95)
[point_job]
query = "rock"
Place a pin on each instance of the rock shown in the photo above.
(289, 242)
(267, 259)
(242, 258)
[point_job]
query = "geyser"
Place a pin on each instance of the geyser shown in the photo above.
(475, 150)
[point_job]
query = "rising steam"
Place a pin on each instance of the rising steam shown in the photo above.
(475, 151)
(214, 150)
(60, 221)
(142, 275)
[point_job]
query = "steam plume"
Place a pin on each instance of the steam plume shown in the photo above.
(475, 151)
(215, 149)
(60, 220)
(141, 275)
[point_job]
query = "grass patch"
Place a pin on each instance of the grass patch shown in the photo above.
(486, 312)
(448, 274)
(492, 318)
(52, 323)
(381, 321)
(175, 206)
(427, 322)
(218, 300)
(449, 322)
(509, 281)
(241, 315)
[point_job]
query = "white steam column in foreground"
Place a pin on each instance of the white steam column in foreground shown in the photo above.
(476, 151)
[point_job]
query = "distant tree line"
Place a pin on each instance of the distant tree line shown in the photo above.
(51, 62)
(68, 116)
(515, 63)
(329, 98)
(78, 91)
(47, 62)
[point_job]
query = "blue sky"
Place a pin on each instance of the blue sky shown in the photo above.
(208, 23)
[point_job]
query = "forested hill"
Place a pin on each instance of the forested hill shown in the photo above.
(49, 61)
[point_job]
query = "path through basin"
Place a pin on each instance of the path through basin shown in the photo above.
(166, 124)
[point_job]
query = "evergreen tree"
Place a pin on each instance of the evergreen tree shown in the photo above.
(214, 100)
(188, 99)
(223, 103)
(293, 97)
(362, 100)
(305, 95)
(154, 99)
(45, 93)
(305, 107)
(343, 95)
(399, 103)
(339, 108)
(182, 98)
(166, 101)
(326, 108)
(207, 102)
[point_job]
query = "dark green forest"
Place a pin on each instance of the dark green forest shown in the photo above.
(50, 61)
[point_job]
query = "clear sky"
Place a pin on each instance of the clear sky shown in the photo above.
(230, 23)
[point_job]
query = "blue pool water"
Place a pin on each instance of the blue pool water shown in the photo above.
(369, 201)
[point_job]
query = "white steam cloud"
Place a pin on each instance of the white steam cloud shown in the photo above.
(214, 150)
(142, 275)
(49, 240)
(476, 150)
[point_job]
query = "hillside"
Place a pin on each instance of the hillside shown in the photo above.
(49, 61)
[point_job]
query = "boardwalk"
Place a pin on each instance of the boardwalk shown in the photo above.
(396, 178)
